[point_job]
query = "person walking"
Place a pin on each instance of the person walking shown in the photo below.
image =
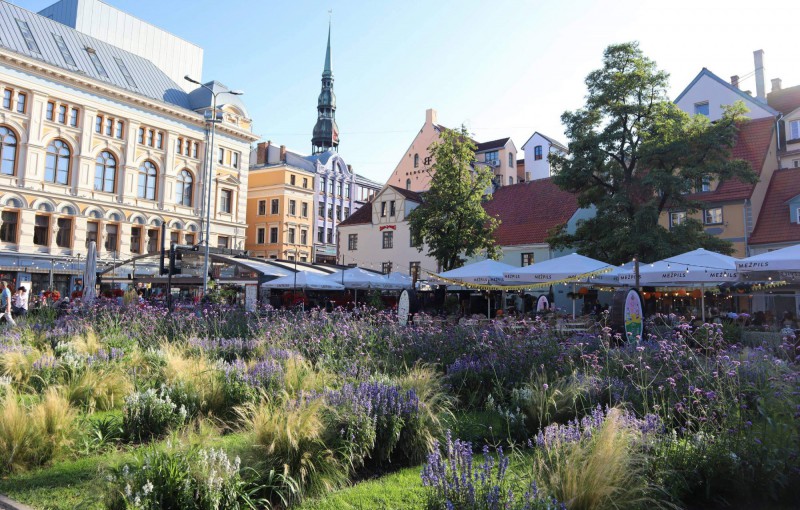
(5, 303)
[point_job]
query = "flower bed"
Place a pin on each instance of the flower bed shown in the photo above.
(325, 399)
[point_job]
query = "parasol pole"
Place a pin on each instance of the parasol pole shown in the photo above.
(573, 300)
(703, 301)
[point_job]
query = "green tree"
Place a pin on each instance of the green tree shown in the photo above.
(452, 221)
(634, 154)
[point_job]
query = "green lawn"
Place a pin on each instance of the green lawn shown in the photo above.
(400, 490)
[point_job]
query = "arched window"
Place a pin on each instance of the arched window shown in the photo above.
(105, 172)
(185, 188)
(8, 151)
(408, 183)
(416, 160)
(56, 165)
(147, 181)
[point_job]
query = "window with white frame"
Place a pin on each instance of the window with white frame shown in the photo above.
(261, 235)
(713, 216)
(262, 207)
(676, 218)
(352, 242)
(273, 206)
(273, 235)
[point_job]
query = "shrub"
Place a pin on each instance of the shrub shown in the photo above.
(151, 414)
(100, 389)
(172, 478)
(456, 481)
(289, 437)
(33, 436)
(598, 464)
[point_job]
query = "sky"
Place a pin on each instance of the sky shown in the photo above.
(502, 68)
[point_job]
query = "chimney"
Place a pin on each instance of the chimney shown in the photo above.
(735, 80)
(430, 116)
(261, 153)
(758, 58)
(776, 84)
(283, 153)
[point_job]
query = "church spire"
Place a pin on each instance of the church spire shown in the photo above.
(326, 133)
(327, 71)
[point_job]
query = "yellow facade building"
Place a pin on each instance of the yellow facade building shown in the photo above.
(280, 204)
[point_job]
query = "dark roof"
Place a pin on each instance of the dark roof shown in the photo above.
(773, 224)
(552, 141)
(411, 195)
(144, 77)
(748, 98)
(527, 211)
(494, 144)
(752, 145)
(361, 216)
(785, 100)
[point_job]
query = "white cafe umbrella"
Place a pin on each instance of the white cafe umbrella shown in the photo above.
(569, 268)
(90, 274)
(785, 259)
(399, 281)
(303, 280)
(699, 266)
(358, 278)
(487, 272)
(484, 272)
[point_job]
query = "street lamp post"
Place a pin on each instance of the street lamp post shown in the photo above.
(209, 167)
(294, 286)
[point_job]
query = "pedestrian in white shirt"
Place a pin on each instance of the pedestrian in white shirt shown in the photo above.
(21, 304)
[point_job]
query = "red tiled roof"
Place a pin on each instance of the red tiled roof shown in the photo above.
(411, 195)
(785, 100)
(527, 211)
(752, 144)
(362, 215)
(773, 222)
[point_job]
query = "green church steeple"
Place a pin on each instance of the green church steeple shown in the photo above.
(326, 132)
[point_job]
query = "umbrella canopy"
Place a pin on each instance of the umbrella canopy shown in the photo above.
(90, 274)
(698, 266)
(398, 281)
(303, 280)
(569, 267)
(617, 276)
(485, 272)
(357, 278)
(785, 259)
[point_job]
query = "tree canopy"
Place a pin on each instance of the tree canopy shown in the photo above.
(451, 221)
(634, 154)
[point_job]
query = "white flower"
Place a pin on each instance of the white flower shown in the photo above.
(148, 488)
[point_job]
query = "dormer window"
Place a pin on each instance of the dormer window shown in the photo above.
(701, 108)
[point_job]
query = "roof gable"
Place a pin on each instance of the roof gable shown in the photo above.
(748, 99)
(527, 211)
(552, 141)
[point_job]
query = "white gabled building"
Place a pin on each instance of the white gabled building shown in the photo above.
(378, 235)
(537, 151)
